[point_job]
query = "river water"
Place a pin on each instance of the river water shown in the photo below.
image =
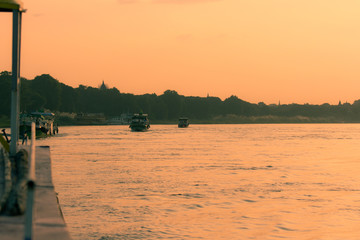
(275, 181)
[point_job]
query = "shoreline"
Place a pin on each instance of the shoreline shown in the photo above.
(199, 123)
(233, 119)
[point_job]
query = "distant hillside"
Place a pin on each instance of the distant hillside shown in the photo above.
(46, 92)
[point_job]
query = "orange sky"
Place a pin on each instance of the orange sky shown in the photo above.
(292, 51)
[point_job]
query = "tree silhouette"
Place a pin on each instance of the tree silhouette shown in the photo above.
(46, 92)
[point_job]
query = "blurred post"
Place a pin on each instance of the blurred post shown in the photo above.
(31, 188)
(14, 6)
(15, 85)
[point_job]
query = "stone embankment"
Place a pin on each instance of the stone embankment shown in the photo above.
(48, 219)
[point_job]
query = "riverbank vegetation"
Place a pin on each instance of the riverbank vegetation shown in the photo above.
(4, 121)
(46, 92)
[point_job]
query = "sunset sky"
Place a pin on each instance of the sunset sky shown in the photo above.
(292, 51)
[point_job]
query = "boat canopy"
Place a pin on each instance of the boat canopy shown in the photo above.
(47, 114)
(10, 5)
(140, 116)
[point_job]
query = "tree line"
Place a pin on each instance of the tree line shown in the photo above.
(46, 92)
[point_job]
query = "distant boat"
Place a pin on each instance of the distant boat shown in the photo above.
(183, 122)
(139, 122)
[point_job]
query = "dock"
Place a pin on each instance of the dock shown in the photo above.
(48, 219)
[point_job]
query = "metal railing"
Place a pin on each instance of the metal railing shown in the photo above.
(31, 188)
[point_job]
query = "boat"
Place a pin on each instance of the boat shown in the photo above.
(139, 122)
(44, 124)
(183, 122)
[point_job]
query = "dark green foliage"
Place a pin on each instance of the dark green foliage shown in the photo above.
(50, 89)
(45, 92)
(68, 99)
(173, 104)
(5, 93)
(30, 99)
(234, 105)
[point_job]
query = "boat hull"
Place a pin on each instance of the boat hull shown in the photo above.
(139, 123)
(139, 128)
(183, 122)
(40, 132)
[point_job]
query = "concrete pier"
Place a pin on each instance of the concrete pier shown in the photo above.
(48, 219)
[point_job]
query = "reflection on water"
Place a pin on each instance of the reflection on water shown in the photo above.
(209, 181)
